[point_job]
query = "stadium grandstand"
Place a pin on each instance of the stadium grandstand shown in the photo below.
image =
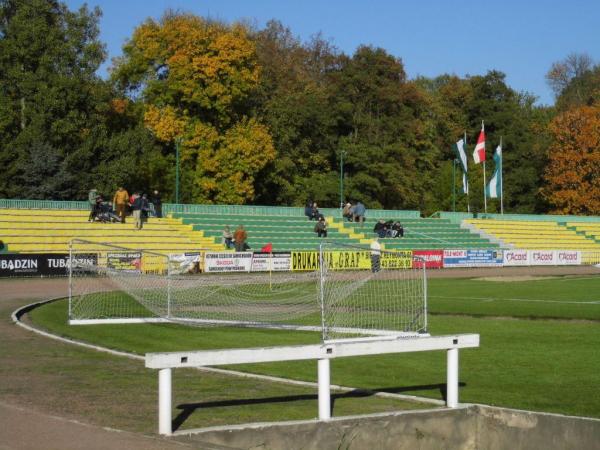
(49, 230)
(31, 226)
(539, 235)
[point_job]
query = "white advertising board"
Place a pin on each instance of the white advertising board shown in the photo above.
(568, 257)
(265, 262)
(542, 257)
(228, 262)
(516, 258)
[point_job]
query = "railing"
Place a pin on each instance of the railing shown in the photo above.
(459, 216)
(455, 217)
(250, 210)
(42, 204)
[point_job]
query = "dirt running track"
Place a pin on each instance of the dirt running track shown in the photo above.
(45, 408)
(42, 409)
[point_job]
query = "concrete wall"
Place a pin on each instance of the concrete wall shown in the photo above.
(469, 427)
(500, 428)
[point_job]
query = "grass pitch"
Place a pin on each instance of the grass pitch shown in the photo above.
(547, 364)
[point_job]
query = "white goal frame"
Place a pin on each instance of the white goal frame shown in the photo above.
(414, 320)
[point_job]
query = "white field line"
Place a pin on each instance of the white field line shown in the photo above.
(525, 300)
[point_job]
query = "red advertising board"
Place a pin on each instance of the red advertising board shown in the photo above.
(434, 259)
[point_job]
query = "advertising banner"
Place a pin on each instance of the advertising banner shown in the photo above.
(542, 257)
(516, 258)
(554, 257)
(124, 261)
(568, 257)
(228, 262)
(350, 260)
(185, 263)
(276, 261)
(434, 259)
(40, 264)
(472, 258)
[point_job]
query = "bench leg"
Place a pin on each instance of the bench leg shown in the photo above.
(324, 389)
(164, 402)
(452, 378)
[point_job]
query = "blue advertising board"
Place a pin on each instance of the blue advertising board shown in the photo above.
(472, 258)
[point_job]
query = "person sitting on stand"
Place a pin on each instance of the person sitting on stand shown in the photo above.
(398, 229)
(308, 209)
(227, 237)
(240, 237)
(321, 227)
(314, 212)
(380, 228)
(347, 211)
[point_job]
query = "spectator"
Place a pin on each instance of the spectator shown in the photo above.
(389, 229)
(99, 208)
(375, 255)
(359, 211)
(398, 229)
(157, 202)
(139, 206)
(120, 203)
(227, 237)
(380, 228)
(308, 209)
(314, 212)
(92, 202)
(321, 227)
(240, 237)
(347, 211)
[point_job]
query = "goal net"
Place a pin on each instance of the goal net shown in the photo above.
(340, 294)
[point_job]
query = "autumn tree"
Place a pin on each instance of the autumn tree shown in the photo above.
(195, 77)
(573, 172)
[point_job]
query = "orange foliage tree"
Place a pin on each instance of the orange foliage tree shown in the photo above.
(573, 171)
(195, 76)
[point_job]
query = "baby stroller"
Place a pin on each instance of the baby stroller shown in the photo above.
(105, 213)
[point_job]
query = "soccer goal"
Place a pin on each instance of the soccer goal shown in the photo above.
(345, 293)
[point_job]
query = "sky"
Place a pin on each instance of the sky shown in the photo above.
(432, 37)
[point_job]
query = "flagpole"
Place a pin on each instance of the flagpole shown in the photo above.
(454, 185)
(468, 201)
(484, 196)
(501, 180)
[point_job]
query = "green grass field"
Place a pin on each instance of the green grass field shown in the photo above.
(539, 345)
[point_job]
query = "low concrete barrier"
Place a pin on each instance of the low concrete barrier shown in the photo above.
(471, 427)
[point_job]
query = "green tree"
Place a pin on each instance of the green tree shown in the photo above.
(296, 100)
(48, 89)
(386, 132)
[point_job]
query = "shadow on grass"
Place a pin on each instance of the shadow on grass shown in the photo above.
(187, 409)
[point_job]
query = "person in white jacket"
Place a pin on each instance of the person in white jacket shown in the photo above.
(375, 255)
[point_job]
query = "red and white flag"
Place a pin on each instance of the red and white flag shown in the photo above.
(479, 152)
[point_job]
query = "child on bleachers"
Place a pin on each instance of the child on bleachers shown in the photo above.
(321, 227)
(227, 237)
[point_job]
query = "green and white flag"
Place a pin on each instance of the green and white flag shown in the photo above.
(494, 188)
(459, 149)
